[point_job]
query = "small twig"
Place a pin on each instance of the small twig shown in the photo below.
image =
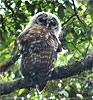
(68, 19)
(6, 65)
(8, 6)
(77, 49)
(88, 44)
(2, 22)
(14, 57)
(76, 14)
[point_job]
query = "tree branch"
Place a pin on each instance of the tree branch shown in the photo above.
(73, 69)
(58, 73)
(10, 86)
(6, 66)
(76, 14)
(68, 20)
(9, 7)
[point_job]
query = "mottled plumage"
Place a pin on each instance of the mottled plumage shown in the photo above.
(38, 45)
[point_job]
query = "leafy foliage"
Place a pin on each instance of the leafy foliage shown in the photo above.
(77, 42)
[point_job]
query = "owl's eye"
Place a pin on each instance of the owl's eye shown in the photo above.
(53, 23)
(42, 20)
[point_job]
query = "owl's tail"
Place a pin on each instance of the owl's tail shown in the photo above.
(40, 86)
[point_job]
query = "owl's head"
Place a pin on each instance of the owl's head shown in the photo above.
(48, 20)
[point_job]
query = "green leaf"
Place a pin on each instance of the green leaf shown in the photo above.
(71, 47)
(68, 88)
(20, 91)
(90, 75)
(6, 78)
(61, 11)
(69, 56)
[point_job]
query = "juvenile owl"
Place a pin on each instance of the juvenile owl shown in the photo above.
(39, 44)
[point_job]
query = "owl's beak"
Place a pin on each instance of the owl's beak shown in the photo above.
(47, 25)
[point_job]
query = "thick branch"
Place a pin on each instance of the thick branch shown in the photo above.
(58, 73)
(73, 69)
(10, 86)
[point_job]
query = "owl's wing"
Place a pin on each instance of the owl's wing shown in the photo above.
(59, 49)
(32, 37)
(55, 43)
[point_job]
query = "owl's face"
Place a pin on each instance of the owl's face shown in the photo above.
(48, 20)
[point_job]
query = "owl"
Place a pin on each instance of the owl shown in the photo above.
(38, 45)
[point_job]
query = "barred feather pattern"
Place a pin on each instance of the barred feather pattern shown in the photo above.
(38, 46)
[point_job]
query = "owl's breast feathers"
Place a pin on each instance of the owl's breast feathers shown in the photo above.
(38, 49)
